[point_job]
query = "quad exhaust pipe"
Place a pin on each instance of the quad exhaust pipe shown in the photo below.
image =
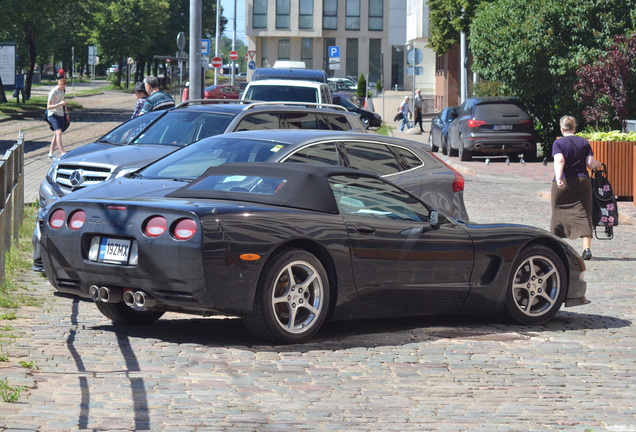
(133, 299)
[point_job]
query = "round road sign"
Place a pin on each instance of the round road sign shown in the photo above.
(233, 55)
(217, 62)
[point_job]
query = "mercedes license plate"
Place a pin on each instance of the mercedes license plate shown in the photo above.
(114, 251)
(502, 127)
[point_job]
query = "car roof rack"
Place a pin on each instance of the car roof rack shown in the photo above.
(212, 101)
(305, 104)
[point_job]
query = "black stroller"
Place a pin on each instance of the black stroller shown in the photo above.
(604, 207)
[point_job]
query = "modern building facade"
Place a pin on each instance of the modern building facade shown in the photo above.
(370, 36)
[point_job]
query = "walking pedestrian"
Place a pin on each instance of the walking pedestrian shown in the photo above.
(405, 109)
(58, 115)
(141, 94)
(19, 87)
(418, 104)
(156, 100)
(571, 196)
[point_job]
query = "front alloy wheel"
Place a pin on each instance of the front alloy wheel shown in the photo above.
(292, 298)
(537, 286)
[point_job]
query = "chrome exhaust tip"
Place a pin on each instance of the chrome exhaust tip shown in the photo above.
(93, 291)
(108, 295)
(143, 300)
(129, 298)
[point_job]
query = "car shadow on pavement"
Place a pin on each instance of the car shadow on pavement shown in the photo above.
(363, 333)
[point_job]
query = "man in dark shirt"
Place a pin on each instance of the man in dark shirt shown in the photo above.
(157, 100)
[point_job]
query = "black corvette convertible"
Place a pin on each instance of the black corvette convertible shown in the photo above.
(288, 246)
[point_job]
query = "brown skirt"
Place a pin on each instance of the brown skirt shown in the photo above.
(572, 208)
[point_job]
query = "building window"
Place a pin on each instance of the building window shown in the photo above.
(307, 52)
(259, 14)
(306, 14)
(282, 14)
(325, 57)
(376, 12)
(375, 60)
(330, 15)
(284, 49)
(264, 62)
(352, 57)
(352, 17)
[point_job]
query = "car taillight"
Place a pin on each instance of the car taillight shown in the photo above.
(458, 181)
(57, 219)
(184, 229)
(155, 226)
(475, 123)
(77, 220)
(527, 122)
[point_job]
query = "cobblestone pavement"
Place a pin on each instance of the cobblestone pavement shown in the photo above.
(575, 373)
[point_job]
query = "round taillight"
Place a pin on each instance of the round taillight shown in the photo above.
(57, 219)
(155, 226)
(184, 229)
(77, 220)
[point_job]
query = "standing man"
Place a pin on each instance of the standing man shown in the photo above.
(156, 100)
(418, 104)
(19, 86)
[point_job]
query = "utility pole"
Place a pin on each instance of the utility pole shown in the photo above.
(196, 87)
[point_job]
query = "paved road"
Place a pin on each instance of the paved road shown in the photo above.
(449, 374)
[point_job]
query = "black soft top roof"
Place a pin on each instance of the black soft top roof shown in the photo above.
(306, 186)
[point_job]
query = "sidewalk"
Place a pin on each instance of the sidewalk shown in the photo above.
(536, 172)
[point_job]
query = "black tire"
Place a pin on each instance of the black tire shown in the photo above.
(464, 155)
(365, 122)
(537, 286)
(434, 148)
(290, 313)
(120, 313)
(444, 145)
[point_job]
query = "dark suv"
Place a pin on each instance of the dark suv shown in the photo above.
(492, 126)
(146, 138)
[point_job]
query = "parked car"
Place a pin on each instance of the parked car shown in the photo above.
(338, 84)
(222, 91)
(287, 247)
(438, 137)
(493, 126)
(369, 119)
(287, 90)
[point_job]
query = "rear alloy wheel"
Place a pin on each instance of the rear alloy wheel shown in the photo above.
(537, 286)
(365, 122)
(464, 155)
(292, 298)
(121, 313)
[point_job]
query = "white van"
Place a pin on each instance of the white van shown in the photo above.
(275, 90)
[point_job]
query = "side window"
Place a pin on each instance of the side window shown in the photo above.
(302, 120)
(369, 197)
(337, 122)
(322, 153)
(408, 160)
(259, 121)
(372, 157)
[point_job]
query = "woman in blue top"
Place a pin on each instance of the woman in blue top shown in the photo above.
(572, 188)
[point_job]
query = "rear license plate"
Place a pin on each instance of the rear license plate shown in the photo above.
(114, 251)
(502, 127)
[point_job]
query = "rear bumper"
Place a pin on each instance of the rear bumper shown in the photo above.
(500, 145)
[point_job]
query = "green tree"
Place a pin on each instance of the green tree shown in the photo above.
(448, 18)
(536, 59)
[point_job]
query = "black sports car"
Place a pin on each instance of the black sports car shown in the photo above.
(288, 246)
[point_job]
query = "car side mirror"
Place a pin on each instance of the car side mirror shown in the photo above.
(433, 218)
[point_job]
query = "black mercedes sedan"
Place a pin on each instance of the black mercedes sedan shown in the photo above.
(289, 246)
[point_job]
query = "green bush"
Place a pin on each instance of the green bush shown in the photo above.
(608, 136)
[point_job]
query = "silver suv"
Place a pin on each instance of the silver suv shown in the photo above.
(149, 137)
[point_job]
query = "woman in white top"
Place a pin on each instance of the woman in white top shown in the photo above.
(58, 116)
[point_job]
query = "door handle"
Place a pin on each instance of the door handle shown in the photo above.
(365, 229)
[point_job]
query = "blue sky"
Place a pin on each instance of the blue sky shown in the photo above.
(228, 12)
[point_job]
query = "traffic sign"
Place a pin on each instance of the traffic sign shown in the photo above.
(233, 55)
(414, 56)
(252, 65)
(334, 51)
(251, 54)
(205, 47)
(217, 62)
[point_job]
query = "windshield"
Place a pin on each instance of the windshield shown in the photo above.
(192, 161)
(124, 133)
(181, 127)
(348, 105)
(272, 93)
